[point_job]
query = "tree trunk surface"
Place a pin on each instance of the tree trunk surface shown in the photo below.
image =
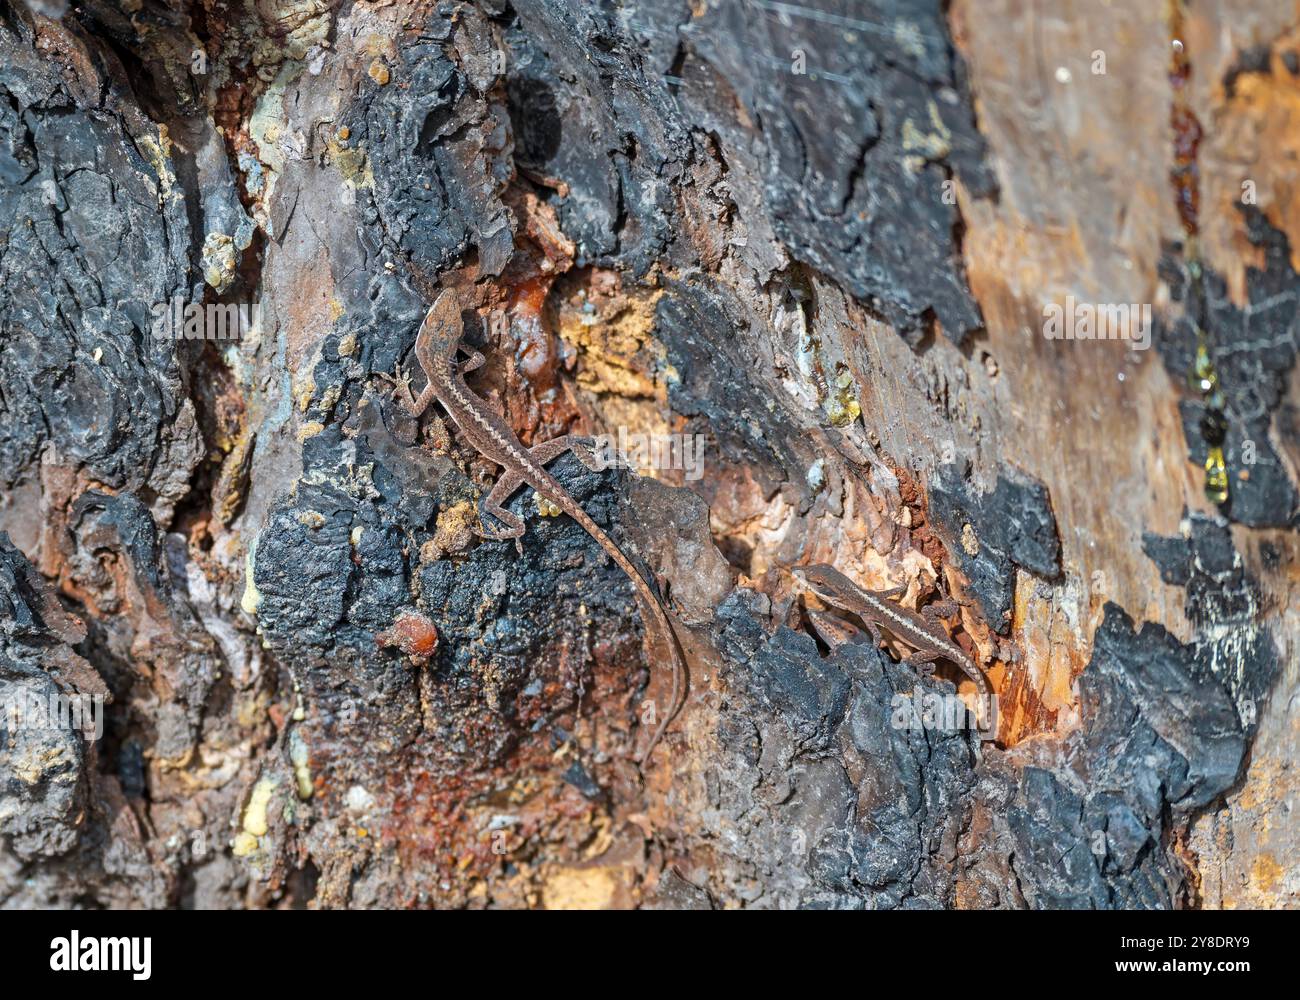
(966, 298)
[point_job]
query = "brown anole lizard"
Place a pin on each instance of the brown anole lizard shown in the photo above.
(435, 348)
(878, 611)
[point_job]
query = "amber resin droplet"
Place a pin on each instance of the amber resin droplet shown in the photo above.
(1203, 378)
(1216, 477)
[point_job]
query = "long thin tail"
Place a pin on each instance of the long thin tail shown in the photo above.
(983, 693)
(651, 610)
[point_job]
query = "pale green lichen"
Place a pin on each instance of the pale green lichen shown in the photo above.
(838, 398)
(926, 145)
(294, 27)
(159, 153)
(267, 130)
(908, 37)
(301, 765)
(353, 165)
(843, 407)
(252, 598)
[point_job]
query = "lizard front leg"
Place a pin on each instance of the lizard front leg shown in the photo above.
(939, 610)
(473, 363)
(835, 632)
(924, 659)
(401, 383)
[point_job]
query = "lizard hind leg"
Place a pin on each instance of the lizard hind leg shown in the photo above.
(494, 505)
(549, 451)
(923, 660)
(509, 481)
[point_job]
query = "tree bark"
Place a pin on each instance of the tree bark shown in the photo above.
(843, 248)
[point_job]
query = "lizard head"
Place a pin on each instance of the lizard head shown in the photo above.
(440, 332)
(823, 580)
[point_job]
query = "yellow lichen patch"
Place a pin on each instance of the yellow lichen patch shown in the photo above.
(219, 261)
(837, 394)
(250, 709)
(843, 408)
(453, 533)
(232, 482)
(293, 27)
(159, 153)
(255, 811)
(591, 888)
(309, 430)
(1265, 875)
(32, 769)
(924, 143)
(211, 767)
(304, 392)
(906, 35)
(312, 519)
(255, 822)
(347, 345)
(301, 766)
(615, 343)
(378, 72)
(352, 162)
(546, 507)
(376, 44)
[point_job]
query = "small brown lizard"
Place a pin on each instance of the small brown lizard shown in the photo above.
(435, 348)
(876, 609)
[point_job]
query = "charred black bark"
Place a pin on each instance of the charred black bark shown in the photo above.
(320, 686)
